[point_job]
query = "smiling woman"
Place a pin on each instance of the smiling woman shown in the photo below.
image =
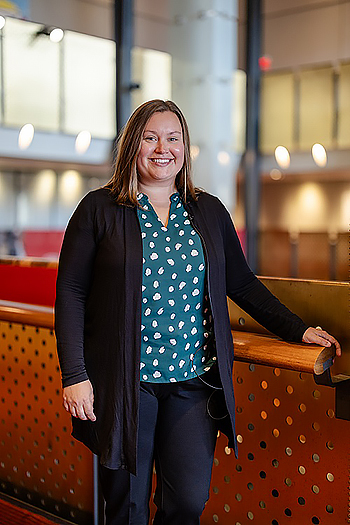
(142, 326)
(160, 159)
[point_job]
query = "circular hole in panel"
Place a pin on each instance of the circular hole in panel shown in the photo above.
(302, 438)
(330, 476)
(330, 445)
(264, 385)
(250, 456)
(302, 407)
(215, 490)
(277, 372)
(251, 427)
(240, 438)
(251, 397)
(288, 482)
(227, 479)
(250, 486)
(330, 412)
(262, 474)
(315, 458)
(315, 489)
(239, 410)
(301, 500)
(288, 512)
(263, 414)
(316, 426)
(263, 444)
(227, 507)
(274, 522)
(238, 496)
(289, 420)
(216, 462)
(276, 402)
(316, 394)
(239, 467)
(329, 509)
(275, 493)
(275, 463)
(250, 515)
(241, 321)
(252, 367)
(239, 380)
(289, 451)
(315, 520)
(301, 469)
(215, 518)
(275, 432)
(262, 504)
(228, 451)
(290, 389)
(301, 377)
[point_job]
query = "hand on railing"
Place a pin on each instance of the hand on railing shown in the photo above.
(321, 337)
(78, 400)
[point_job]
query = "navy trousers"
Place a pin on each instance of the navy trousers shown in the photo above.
(177, 432)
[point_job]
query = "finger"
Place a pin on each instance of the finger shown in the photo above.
(89, 411)
(72, 411)
(81, 413)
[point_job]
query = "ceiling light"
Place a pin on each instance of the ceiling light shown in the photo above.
(82, 142)
(319, 155)
(56, 35)
(282, 157)
(26, 136)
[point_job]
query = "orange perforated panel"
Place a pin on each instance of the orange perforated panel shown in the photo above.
(293, 464)
(40, 462)
(294, 456)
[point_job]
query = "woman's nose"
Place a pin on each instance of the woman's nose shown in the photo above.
(161, 146)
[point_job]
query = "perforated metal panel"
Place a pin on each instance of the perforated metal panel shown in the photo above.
(40, 462)
(294, 456)
(293, 464)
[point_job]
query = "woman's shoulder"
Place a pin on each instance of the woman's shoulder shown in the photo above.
(207, 200)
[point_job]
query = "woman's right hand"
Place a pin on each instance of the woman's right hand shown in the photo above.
(78, 400)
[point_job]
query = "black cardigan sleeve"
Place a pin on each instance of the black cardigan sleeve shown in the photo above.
(245, 289)
(72, 287)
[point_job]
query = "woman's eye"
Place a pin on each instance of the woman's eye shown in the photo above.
(150, 138)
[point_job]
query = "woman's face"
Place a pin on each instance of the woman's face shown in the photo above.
(162, 149)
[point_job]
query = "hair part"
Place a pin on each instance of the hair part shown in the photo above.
(123, 184)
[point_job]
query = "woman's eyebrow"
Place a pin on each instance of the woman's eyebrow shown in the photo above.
(155, 133)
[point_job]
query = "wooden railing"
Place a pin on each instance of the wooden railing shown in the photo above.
(249, 347)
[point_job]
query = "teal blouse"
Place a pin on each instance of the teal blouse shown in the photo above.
(176, 321)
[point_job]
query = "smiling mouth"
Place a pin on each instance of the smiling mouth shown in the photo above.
(161, 162)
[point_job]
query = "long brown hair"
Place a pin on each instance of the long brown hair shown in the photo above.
(123, 184)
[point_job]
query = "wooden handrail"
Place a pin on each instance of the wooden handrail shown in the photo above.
(41, 316)
(249, 347)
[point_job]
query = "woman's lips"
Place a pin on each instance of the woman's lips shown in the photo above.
(161, 162)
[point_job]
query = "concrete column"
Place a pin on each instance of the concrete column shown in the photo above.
(204, 50)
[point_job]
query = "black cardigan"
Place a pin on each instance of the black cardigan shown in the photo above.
(98, 313)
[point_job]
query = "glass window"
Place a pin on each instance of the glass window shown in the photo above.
(316, 108)
(277, 109)
(31, 82)
(89, 85)
(344, 107)
(152, 70)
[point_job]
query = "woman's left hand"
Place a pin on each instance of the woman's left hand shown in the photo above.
(321, 337)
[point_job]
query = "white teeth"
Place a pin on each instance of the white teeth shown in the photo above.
(161, 161)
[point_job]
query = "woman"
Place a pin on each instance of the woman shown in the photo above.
(142, 325)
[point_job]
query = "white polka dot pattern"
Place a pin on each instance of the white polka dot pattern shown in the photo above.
(175, 315)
